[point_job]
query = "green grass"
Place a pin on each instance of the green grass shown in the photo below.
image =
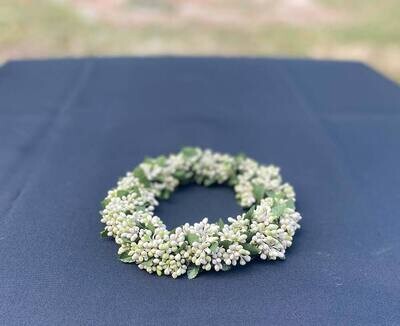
(365, 30)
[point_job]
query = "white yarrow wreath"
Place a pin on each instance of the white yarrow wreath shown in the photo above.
(266, 229)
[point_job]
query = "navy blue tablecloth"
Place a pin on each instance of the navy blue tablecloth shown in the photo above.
(70, 128)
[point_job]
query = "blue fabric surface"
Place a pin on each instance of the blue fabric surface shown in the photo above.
(70, 128)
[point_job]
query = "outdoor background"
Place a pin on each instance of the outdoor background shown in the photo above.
(366, 30)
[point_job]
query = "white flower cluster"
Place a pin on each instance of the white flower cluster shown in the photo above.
(265, 230)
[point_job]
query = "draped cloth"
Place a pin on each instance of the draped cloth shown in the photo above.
(69, 128)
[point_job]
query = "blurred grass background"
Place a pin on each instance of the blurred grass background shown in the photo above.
(365, 30)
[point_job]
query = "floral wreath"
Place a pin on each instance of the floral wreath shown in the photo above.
(266, 229)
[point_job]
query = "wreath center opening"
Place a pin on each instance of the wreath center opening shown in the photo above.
(192, 202)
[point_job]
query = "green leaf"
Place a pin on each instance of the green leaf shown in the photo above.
(252, 248)
(139, 173)
(147, 263)
(135, 189)
(278, 210)
(225, 243)
(214, 247)
(122, 193)
(159, 178)
(208, 182)
(165, 194)
(192, 271)
(258, 192)
(105, 202)
(183, 246)
(191, 238)
(270, 193)
(220, 223)
(233, 180)
(160, 160)
(151, 227)
(249, 214)
(103, 234)
(189, 151)
(250, 235)
(290, 204)
(180, 175)
(125, 258)
(141, 208)
(275, 194)
(226, 267)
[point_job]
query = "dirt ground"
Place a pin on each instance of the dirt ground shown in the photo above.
(357, 30)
